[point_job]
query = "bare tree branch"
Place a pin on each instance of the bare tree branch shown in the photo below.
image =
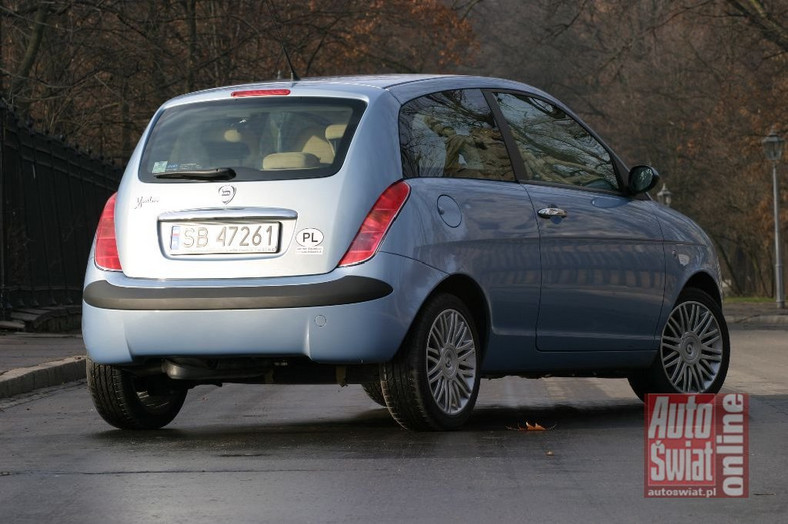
(768, 24)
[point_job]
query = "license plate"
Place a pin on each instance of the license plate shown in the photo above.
(216, 238)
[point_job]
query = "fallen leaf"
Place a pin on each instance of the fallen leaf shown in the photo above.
(529, 427)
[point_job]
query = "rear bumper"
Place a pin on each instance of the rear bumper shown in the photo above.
(346, 290)
(349, 316)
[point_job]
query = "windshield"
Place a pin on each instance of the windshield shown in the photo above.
(250, 139)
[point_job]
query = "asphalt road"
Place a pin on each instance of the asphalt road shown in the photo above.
(328, 454)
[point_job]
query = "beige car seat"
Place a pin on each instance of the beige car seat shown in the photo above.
(224, 148)
(290, 160)
(315, 144)
(334, 134)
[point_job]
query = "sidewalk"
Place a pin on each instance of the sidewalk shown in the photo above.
(30, 361)
(760, 313)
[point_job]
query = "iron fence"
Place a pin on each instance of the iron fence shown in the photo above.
(51, 197)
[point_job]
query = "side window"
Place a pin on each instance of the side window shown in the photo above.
(554, 147)
(452, 134)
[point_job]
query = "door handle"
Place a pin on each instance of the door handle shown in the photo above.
(551, 212)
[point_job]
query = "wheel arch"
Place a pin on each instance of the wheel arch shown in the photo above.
(470, 292)
(405, 380)
(706, 283)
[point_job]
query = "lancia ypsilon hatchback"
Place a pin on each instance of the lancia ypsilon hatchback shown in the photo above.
(411, 234)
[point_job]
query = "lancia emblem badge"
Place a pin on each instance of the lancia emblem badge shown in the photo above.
(226, 193)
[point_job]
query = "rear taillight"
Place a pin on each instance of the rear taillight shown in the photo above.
(106, 244)
(377, 223)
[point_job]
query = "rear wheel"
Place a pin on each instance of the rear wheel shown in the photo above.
(694, 350)
(129, 402)
(375, 392)
(433, 382)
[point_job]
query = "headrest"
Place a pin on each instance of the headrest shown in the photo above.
(335, 131)
(290, 161)
(232, 135)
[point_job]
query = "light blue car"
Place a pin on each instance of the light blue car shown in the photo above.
(411, 234)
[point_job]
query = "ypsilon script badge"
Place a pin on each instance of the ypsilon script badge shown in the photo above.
(226, 193)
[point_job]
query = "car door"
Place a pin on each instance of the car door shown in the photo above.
(601, 251)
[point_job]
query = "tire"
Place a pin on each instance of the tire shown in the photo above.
(433, 382)
(129, 402)
(694, 350)
(375, 392)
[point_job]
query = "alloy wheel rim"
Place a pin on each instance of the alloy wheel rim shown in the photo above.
(451, 362)
(692, 348)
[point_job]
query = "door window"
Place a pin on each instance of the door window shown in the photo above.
(553, 146)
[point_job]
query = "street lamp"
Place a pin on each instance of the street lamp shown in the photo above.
(665, 196)
(773, 147)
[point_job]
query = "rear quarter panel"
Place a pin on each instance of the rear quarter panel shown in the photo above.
(495, 243)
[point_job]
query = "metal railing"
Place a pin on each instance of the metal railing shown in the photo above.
(51, 197)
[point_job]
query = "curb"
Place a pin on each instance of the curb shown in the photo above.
(25, 380)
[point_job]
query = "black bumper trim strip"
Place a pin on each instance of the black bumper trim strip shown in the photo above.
(346, 290)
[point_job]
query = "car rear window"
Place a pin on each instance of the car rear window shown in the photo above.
(250, 139)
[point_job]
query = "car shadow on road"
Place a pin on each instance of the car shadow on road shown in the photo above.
(373, 433)
(566, 416)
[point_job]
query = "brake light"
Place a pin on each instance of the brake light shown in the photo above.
(377, 223)
(260, 92)
(106, 243)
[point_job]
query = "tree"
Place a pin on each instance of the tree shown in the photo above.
(95, 70)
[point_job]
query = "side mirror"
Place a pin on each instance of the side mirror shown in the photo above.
(642, 179)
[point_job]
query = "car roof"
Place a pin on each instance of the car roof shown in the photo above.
(402, 86)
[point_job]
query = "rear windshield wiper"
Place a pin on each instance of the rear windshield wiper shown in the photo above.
(207, 175)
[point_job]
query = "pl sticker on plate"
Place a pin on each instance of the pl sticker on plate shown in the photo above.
(310, 242)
